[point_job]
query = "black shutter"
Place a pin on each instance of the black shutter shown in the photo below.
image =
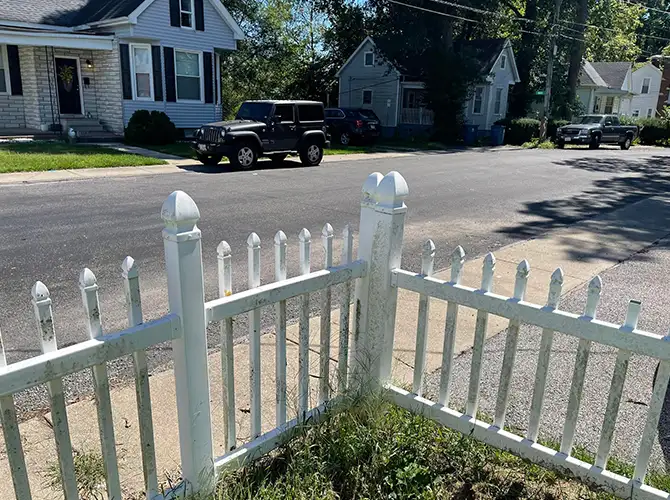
(209, 80)
(126, 77)
(158, 72)
(14, 70)
(170, 89)
(175, 15)
(199, 15)
(217, 79)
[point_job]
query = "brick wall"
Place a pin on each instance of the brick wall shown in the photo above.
(108, 85)
(11, 111)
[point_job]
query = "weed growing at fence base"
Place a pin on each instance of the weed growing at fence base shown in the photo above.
(382, 451)
(89, 470)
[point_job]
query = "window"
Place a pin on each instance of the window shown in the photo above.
(142, 72)
(497, 106)
(187, 69)
(367, 97)
(186, 13)
(636, 113)
(4, 71)
(503, 62)
(609, 105)
(284, 113)
(369, 59)
(310, 113)
(645, 85)
(649, 112)
(478, 100)
(334, 113)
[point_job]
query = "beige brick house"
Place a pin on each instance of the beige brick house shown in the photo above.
(89, 64)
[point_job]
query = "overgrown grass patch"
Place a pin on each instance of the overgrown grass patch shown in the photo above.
(41, 156)
(537, 144)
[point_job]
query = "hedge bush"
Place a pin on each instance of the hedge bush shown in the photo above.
(151, 128)
(520, 130)
(654, 131)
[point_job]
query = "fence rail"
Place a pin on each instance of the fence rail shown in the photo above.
(417, 116)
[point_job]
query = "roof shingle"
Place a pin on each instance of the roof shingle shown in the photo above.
(613, 73)
(65, 12)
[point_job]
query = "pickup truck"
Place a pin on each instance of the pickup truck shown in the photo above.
(595, 130)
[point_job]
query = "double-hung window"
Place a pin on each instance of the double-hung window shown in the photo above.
(4, 70)
(645, 85)
(142, 72)
(189, 76)
(186, 13)
(497, 105)
(478, 101)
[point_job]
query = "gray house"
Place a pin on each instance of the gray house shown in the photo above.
(89, 64)
(367, 80)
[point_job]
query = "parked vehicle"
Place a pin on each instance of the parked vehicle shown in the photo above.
(265, 128)
(347, 125)
(595, 130)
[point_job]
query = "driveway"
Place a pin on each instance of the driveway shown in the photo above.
(481, 200)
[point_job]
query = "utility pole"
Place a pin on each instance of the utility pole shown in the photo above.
(550, 69)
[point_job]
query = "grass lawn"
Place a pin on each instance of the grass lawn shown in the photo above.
(36, 156)
(182, 149)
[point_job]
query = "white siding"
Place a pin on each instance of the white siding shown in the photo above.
(644, 102)
(381, 79)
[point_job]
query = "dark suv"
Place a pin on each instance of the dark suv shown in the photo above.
(350, 124)
(265, 128)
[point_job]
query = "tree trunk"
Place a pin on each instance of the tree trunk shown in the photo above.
(520, 98)
(577, 51)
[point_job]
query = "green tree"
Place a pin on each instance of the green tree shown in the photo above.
(620, 41)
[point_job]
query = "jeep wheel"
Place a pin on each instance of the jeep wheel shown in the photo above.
(311, 154)
(595, 142)
(626, 143)
(278, 159)
(244, 157)
(209, 160)
(345, 138)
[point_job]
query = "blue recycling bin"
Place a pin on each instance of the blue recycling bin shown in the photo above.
(470, 134)
(497, 135)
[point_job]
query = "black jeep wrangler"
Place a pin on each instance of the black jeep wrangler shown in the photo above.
(265, 128)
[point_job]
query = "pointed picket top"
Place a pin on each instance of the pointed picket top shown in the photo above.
(223, 249)
(327, 231)
(280, 238)
(179, 212)
(253, 241)
(370, 185)
(593, 297)
(632, 315)
(392, 191)
(129, 268)
(40, 293)
(305, 235)
(487, 271)
(87, 280)
(555, 288)
(305, 250)
(428, 258)
(457, 261)
(522, 272)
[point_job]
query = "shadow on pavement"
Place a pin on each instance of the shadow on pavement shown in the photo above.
(226, 168)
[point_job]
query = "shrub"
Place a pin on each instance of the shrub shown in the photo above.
(654, 131)
(520, 130)
(553, 125)
(154, 128)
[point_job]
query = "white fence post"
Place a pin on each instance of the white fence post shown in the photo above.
(183, 262)
(385, 235)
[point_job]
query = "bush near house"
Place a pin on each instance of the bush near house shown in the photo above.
(151, 128)
(519, 131)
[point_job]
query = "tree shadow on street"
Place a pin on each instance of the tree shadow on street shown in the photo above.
(606, 224)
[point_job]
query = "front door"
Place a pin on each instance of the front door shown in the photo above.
(284, 131)
(69, 88)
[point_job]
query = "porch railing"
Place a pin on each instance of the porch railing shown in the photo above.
(416, 116)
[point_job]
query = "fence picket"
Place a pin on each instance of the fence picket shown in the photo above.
(131, 284)
(44, 315)
(616, 388)
(326, 301)
(555, 289)
(522, 272)
(481, 326)
(427, 263)
(225, 270)
(653, 416)
(303, 355)
(457, 261)
(254, 255)
(280, 342)
(345, 310)
(88, 284)
(13, 446)
(581, 360)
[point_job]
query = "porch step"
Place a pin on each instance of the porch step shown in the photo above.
(83, 126)
(100, 137)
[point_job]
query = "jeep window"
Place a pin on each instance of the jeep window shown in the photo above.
(590, 119)
(310, 113)
(256, 111)
(284, 113)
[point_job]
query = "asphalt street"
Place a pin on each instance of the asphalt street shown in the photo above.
(480, 200)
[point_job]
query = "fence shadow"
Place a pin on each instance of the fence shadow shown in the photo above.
(603, 207)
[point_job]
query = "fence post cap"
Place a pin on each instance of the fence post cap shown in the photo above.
(370, 188)
(523, 269)
(87, 279)
(392, 191)
(253, 241)
(304, 235)
(280, 238)
(327, 231)
(180, 212)
(223, 249)
(129, 268)
(40, 292)
(557, 276)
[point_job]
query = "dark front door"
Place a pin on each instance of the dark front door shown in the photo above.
(69, 89)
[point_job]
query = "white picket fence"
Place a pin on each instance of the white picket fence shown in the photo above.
(363, 366)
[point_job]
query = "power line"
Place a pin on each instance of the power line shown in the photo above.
(436, 12)
(483, 11)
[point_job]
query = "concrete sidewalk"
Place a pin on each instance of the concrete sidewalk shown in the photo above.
(582, 250)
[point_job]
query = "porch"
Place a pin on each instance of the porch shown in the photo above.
(413, 110)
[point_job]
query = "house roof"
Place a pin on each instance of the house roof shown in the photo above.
(66, 12)
(485, 51)
(612, 73)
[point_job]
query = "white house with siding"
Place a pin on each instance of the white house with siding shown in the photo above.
(90, 64)
(368, 80)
